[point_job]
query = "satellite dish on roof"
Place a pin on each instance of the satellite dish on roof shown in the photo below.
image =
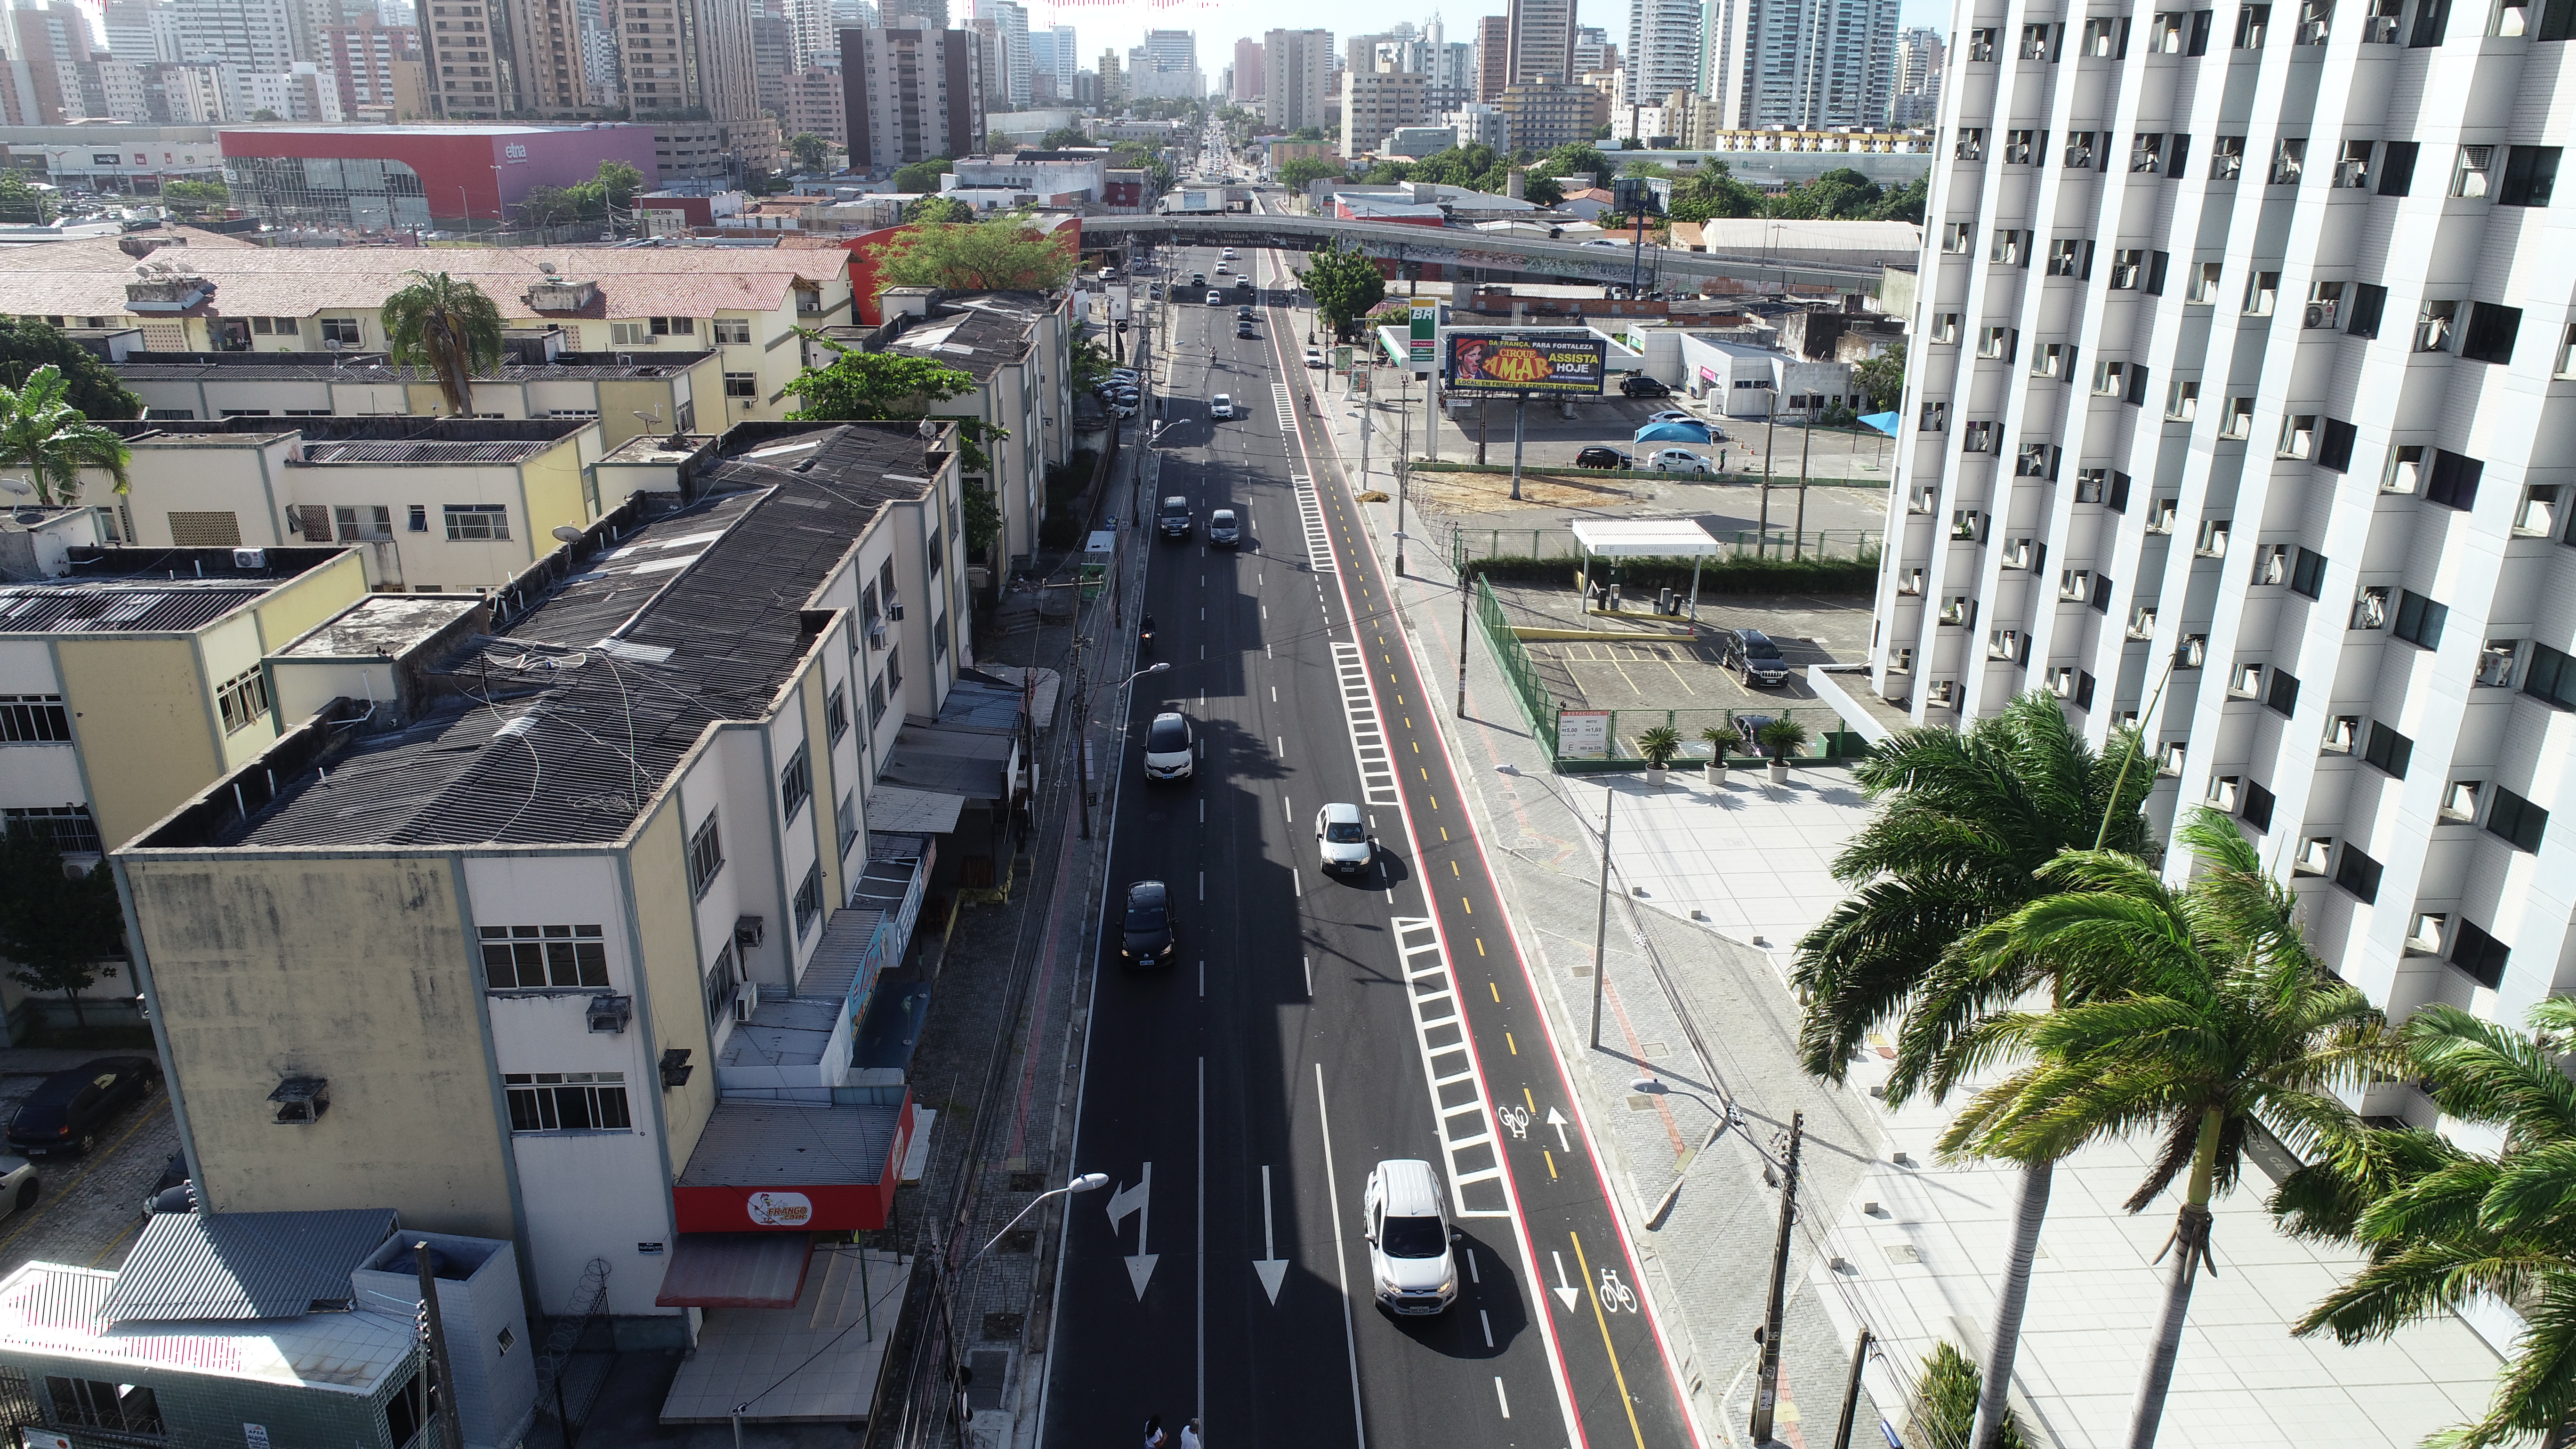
(568, 533)
(16, 485)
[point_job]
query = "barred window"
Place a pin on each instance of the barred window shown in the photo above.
(69, 827)
(795, 783)
(477, 522)
(242, 699)
(706, 856)
(836, 713)
(723, 984)
(567, 1101)
(528, 958)
(28, 719)
(809, 898)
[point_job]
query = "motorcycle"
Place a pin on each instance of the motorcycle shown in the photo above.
(1145, 636)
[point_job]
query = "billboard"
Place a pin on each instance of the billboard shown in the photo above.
(1426, 323)
(1563, 362)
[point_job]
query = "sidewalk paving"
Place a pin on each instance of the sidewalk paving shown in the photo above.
(1714, 886)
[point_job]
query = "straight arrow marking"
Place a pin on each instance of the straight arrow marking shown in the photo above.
(1272, 1268)
(1556, 1120)
(1563, 1290)
(1139, 1200)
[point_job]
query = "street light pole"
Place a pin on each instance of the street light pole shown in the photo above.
(1601, 921)
(1520, 410)
(1088, 1182)
(1766, 1387)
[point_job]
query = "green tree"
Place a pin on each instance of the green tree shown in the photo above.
(1945, 1401)
(54, 926)
(1307, 133)
(548, 207)
(195, 198)
(265, 114)
(1063, 138)
(923, 176)
(1297, 175)
(450, 329)
(1345, 284)
(43, 433)
(997, 144)
(1004, 254)
(21, 201)
(1905, 203)
(1387, 173)
(2437, 1223)
(95, 391)
(1646, 168)
(1712, 192)
(812, 152)
(937, 208)
(1883, 378)
(1966, 822)
(2212, 1016)
(1576, 159)
(1842, 194)
(874, 386)
(1540, 190)
(618, 183)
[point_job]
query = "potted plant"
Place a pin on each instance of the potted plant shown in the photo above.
(1658, 745)
(1718, 738)
(1782, 737)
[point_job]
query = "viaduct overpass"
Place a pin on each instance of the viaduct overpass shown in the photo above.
(1472, 249)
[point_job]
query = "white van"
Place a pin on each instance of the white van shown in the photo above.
(1406, 1221)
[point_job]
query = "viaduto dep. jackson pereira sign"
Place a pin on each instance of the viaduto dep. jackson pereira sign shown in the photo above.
(1524, 362)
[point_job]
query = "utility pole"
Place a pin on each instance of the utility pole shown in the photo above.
(1601, 922)
(1851, 1388)
(1081, 735)
(1520, 411)
(1766, 1386)
(1458, 555)
(451, 1434)
(1806, 441)
(1403, 457)
(1770, 426)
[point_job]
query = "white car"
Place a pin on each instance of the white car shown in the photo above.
(1314, 357)
(1672, 415)
(17, 1184)
(1216, 299)
(1407, 1226)
(1677, 460)
(1227, 254)
(1342, 839)
(1170, 749)
(1221, 406)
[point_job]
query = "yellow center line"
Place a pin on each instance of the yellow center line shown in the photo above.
(1453, 870)
(1498, 992)
(1444, 833)
(1551, 1172)
(1467, 905)
(1480, 945)
(1529, 1101)
(1435, 801)
(1617, 1373)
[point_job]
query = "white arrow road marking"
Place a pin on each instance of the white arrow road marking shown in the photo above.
(1564, 1290)
(1556, 1120)
(1138, 1200)
(1269, 1265)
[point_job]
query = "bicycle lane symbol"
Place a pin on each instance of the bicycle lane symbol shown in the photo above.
(1615, 1296)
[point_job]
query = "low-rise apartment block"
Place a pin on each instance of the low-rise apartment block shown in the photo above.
(1018, 346)
(216, 294)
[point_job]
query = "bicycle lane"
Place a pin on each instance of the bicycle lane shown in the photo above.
(1613, 1361)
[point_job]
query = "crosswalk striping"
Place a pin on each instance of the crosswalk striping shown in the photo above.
(1319, 539)
(1458, 1108)
(1368, 732)
(1285, 404)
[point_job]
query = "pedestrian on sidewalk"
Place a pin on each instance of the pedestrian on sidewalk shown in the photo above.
(1190, 1438)
(1154, 1438)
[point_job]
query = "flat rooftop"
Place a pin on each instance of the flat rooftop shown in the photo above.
(380, 625)
(559, 726)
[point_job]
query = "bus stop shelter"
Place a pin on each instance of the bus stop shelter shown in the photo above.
(1615, 538)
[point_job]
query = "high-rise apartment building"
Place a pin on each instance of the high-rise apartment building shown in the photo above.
(1542, 41)
(1450, 66)
(1005, 26)
(1807, 65)
(687, 56)
(908, 94)
(548, 64)
(1376, 102)
(1053, 60)
(1593, 50)
(50, 44)
(1547, 114)
(378, 67)
(1248, 55)
(143, 32)
(1295, 65)
(1112, 79)
(1918, 79)
(1663, 49)
(256, 35)
(1493, 55)
(773, 60)
(1166, 66)
(2247, 423)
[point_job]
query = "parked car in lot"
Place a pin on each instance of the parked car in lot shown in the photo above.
(1677, 460)
(1603, 458)
(1170, 749)
(17, 1184)
(1223, 530)
(1406, 1221)
(1637, 384)
(1151, 930)
(68, 1110)
(1753, 657)
(171, 1191)
(1674, 415)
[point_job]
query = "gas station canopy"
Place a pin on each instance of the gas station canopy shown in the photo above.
(1645, 538)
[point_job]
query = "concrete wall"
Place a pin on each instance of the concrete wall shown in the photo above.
(143, 713)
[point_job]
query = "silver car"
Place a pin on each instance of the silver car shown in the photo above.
(1406, 1221)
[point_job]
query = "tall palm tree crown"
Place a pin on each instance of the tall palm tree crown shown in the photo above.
(451, 329)
(2438, 1223)
(43, 433)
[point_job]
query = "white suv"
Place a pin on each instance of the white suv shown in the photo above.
(1342, 838)
(1220, 406)
(1170, 752)
(1406, 1223)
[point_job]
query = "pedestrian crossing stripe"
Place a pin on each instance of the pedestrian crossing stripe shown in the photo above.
(1285, 404)
(1319, 539)
(1368, 732)
(1459, 1112)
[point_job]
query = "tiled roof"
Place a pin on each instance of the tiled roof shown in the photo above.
(88, 277)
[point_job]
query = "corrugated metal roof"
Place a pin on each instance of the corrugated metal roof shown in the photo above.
(118, 608)
(736, 1270)
(422, 452)
(193, 1266)
(50, 1310)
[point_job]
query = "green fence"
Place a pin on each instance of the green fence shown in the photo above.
(1537, 701)
(1469, 544)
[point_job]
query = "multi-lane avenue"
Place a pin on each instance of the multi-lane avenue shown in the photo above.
(1312, 1026)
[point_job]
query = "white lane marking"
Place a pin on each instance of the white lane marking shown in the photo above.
(1368, 733)
(1270, 1266)
(1202, 885)
(1296, 882)
(1500, 1397)
(1486, 1319)
(1309, 963)
(1202, 1257)
(1140, 1201)
(1341, 1257)
(1458, 1109)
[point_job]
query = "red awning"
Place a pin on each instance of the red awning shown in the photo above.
(736, 1270)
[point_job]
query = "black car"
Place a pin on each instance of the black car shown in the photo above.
(67, 1111)
(1603, 458)
(1173, 518)
(1243, 314)
(1243, 329)
(1752, 655)
(1223, 530)
(1151, 932)
(1637, 384)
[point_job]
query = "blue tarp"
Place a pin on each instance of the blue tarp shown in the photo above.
(1884, 422)
(1674, 432)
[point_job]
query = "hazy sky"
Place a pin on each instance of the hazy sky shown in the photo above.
(1219, 23)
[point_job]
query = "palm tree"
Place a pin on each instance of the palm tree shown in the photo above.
(2201, 1012)
(2438, 1222)
(54, 441)
(448, 327)
(1965, 822)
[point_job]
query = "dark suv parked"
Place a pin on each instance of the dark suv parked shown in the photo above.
(1637, 384)
(69, 1109)
(1752, 655)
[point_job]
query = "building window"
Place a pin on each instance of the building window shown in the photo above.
(342, 330)
(567, 1101)
(733, 331)
(2358, 873)
(2420, 620)
(2397, 168)
(2238, 424)
(527, 958)
(1998, 342)
(89, 1404)
(242, 700)
(2308, 573)
(706, 856)
(1970, 145)
(2257, 808)
(2551, 677)
(477, 522)
(2227, 158)
(2470, 172)
(2281, 696)
(2530, 174)
(2432, 18)
(809, 899)
(2204, 284)
(2352, 169)
(2490, 333)
(363, 523)
(2388, 750)
(2289, 161)
(795, 783)
(1945, 328)
(2334, 446)
(2251, 23)
(2515, 819)
(845, 821)
(27, 719)
(742, 384)
(836, 713)
(723, 983)
(2369, 303)
(2454, 480)
(2480, 955)
(68, 827)
(2182, 401)
(2010, 248)
(204, 529)
(2262, 294)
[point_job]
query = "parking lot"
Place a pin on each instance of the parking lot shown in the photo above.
(1650, 673)
(86, 1210)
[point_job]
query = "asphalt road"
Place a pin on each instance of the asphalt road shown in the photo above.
(1314, 1026)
